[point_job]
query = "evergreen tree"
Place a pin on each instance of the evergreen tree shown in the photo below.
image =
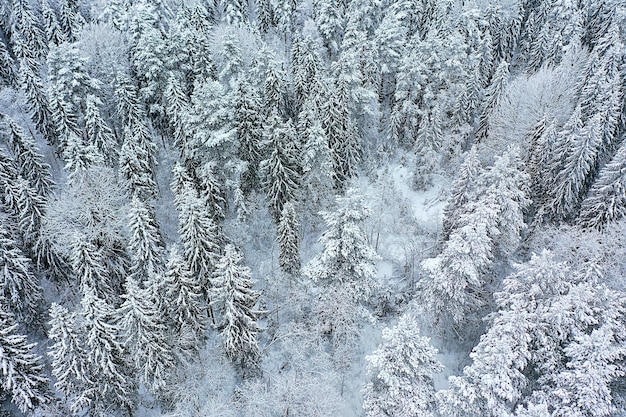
(463, 190)
(210, 190)
(342, 136)
(280, 170)
(489, 227)
(105, 352)
(37, 103)
(52, 27)
(99, 134)
(329, 19)
(184, 292)
(137, 162)
(26, 34)
(427, 145)
(317, 165)
(8, 71)
(21, 371)
(20, 288)
(71, 20)
(265, 15)
(145, 336)
(149, 51)
(606, 201)
(70, 363)
(401, 372)
(23, 202)
(289, 240)
(235, 12)
(29, 160)
(492, 98)
(88, 267)
(177, 107)
(146, 243)
(233, 293)
(248, 124)
(198, 235)
(347, 258)
(545, 343)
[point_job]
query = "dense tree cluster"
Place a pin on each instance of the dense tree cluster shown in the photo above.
(257, 188)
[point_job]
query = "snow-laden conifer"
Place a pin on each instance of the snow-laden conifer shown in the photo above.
(288, 230)
(184, 294)
(401, 373)
(235, 299)
(21, 370)
(145, 334)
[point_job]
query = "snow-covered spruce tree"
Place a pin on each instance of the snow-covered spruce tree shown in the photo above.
(235, 12)
(317, 166)
(22, 202)
(556, 342)
(88, 267)
(186, 312)
(235, 299)
(343, 138)
(329, 18)
(21, 371)
(275, 88)
(492, 98)
(347, 257)
(146, 243)
(145, 334)
(26, 35)
(20, 287)
(345, 273)
(539, 160)
(177, 107)
(211, 125)
(489, 225)
(198, 235)
(606, 201)
(288, 230)
(70, 361)
(148, 54)
(8, 70)
(400, 373)
(137, 162)
(453, 290)
(464, 189)
(211, 191)
(106, 354)
(29, 160)
(52, 28)
(306, 66)
(427, 146)
(99, 134)
(507, 188)
(281, 170)
(37, 102)
(248, 124)
(70, 19)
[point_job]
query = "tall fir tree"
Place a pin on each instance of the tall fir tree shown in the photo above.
(20, 287)
(146, 243)
(70, 361)
(288, 230)
(281, 169)
(145, 336)
(21, 370)
(401, 373)
(235, 297)
(187, 314)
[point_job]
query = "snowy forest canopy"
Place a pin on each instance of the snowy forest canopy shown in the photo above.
(269, 208)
